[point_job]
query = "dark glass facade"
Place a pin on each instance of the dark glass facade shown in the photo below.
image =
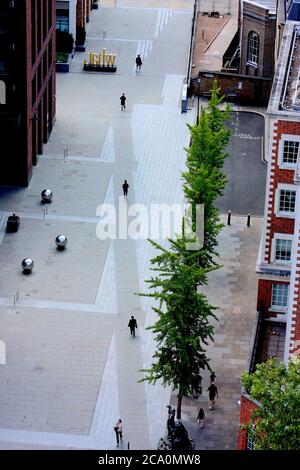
(27, 85)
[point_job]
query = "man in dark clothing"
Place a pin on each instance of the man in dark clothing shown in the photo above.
(125, 188)
(213, 393)
(123, 101)
(132, 325)
(138, 62)
(212, 377)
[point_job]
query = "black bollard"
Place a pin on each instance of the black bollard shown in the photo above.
(229, 218)
(248, 220)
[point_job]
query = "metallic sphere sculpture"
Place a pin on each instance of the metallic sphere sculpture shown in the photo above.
(61, 242)
(27, 265)
(46, 196)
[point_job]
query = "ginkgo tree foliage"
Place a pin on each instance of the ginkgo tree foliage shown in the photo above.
(275, 424)
(185, 317)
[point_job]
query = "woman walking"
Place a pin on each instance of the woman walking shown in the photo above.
(119, 431)
(201, 418)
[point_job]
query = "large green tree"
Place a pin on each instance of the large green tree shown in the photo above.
(277, 420)
(184, 324)
(184, 315)
(204, 179)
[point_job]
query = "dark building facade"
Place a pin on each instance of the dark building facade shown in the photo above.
(258, 38)
(27, 85)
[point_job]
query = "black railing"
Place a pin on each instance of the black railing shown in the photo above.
(191, 50)
(254, 353)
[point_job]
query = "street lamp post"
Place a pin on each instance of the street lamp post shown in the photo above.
(198, 103)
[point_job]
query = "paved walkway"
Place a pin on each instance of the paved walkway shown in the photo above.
(233, 290)
(72, 368)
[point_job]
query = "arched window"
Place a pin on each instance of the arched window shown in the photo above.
(253, 48)
(2, 92)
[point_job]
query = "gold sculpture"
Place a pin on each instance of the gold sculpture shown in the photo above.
(102, 59)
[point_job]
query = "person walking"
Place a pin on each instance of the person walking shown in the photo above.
(132, 325)
(212, 378)
(125, 188)
(201, 418)
(123, 101)
(213, 393)
(138, 62)
(119, 431)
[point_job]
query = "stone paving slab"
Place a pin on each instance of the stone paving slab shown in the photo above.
(57, 276)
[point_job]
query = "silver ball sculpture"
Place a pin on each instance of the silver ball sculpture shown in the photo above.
(61, 242)
(46, 196)
(27, 265)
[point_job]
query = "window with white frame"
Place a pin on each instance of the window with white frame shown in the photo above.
(251, 439)
(280, 295)
(287, 200)
(253, 47)
(283, 249)
(290, 152)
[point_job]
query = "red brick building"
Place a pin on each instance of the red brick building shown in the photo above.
(27, 85)
(278, 302)
(83, 10)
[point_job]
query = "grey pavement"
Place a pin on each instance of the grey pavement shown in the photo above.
(245, 168)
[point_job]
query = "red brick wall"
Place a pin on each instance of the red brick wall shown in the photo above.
(247, 407)
(274, 223)
(253, 88)
(80, 13)
(280, 225)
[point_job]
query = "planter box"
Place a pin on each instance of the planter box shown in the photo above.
(99, 68)
(63, 67)
(13, 223)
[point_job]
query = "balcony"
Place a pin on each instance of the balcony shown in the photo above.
(266, 270)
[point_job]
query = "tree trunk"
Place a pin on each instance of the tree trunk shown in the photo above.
(179, 400)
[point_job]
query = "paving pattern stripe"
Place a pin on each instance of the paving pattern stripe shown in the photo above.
(107, 153)
(67, 306)
(66, 218)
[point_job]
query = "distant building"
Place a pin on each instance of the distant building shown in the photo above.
(257, 35)
(27, 85)
(278, 302)
(246, 67)
(71, 14)
(66, 16)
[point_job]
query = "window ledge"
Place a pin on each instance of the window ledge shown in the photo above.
(287, 166)
(287, 215)
(278, 309)
(280, 264)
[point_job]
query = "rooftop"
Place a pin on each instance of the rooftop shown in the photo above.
(268, 4)
(285, 93)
